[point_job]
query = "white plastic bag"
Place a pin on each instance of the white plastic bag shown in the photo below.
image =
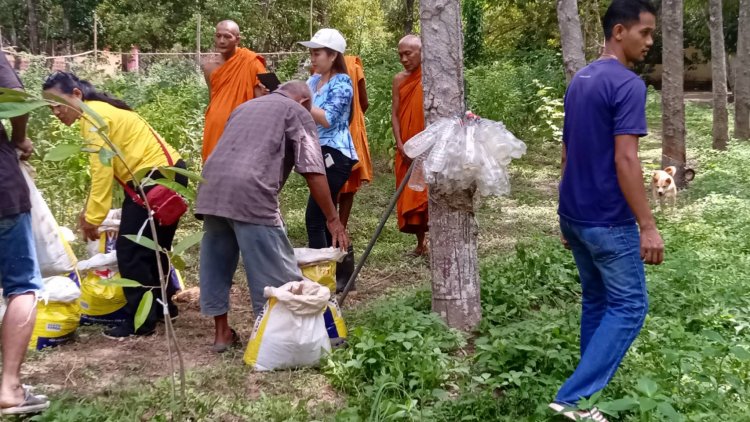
(59, 289)
(309, 256)
(291, 331)
(53, 252)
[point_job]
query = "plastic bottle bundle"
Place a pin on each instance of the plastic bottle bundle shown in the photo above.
(462, 153)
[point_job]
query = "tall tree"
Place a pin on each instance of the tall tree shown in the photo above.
(742, 74)
(453, 251)
(571, 37)
(409, 17)
(33, 23)
(718, 75)
(672, 92)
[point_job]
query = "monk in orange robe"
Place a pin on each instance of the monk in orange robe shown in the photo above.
(362, 171)
(407, 118)
(232, 80)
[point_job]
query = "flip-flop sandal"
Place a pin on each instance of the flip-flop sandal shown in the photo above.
(31, 404)
(223, 347)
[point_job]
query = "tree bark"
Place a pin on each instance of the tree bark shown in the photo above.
(742, 74)
(33, 22)
(409, 17)
(672, 95)
(571, 37)
(718, 76)
(453, 229)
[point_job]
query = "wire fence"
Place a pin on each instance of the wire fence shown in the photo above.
(110, 62)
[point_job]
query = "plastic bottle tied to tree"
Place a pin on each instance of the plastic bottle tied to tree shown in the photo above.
(464, 153)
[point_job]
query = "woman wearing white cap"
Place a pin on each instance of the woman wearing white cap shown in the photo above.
(332, 106)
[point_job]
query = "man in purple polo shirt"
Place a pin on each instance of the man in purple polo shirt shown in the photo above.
(605, 218)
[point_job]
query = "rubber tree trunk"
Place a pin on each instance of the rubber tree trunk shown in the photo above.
(672, 95)
(33, 23)
(453, 229)
(571, 37)
(742, 74)
(718, 76)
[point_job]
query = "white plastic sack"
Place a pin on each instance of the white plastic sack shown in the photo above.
(59, 289)
(309, 256)
(54, 255)
(291, 331)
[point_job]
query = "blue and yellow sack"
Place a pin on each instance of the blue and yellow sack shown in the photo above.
(56, 324)
(324, 273)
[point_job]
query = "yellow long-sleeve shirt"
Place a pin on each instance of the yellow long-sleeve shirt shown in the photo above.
(138, 145)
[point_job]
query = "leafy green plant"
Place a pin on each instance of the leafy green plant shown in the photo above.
(16, 103)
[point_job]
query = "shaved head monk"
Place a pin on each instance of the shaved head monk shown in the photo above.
(232, 79)
(407, 118)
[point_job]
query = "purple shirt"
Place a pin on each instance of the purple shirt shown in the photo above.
(604, 99)
(263, 140)
(14, 194)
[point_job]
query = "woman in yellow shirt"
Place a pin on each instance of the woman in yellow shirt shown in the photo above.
(141, 148)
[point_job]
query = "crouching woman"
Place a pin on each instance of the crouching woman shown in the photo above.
(140, 148)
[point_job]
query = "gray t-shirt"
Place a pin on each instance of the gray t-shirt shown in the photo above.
(263, 140)
(14, 194)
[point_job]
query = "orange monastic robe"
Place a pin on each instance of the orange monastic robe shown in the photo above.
(362, 171)
(412, 205)
(232, 84)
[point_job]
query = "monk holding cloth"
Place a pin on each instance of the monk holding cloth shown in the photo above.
(232, 80)
(407, 118)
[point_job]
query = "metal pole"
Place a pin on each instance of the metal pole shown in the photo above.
(198, 42)
(311, 18)
(383, 220)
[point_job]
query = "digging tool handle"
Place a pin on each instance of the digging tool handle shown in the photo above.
(375, 235)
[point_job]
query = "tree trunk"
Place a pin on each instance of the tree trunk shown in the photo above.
(718, 76)
(33, 26)
(453, 229)
(409, 17)
(742, 74)
(672, 93)
(571, 37)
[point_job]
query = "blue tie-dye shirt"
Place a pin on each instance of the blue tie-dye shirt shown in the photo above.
(335, 98)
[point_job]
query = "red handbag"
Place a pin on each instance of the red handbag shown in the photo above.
(166, 204)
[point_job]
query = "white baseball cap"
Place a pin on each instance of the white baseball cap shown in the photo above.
(327, 38)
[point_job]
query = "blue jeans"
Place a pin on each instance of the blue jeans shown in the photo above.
(19, 269)
(266, 253)
(615, 303)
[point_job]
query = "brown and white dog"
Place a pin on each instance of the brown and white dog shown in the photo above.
(663, 186)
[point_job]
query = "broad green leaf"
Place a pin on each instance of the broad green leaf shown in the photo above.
(143, 241)
(14, 109)
(106, 156)
(187, 243)
(144, 308)
(62, 152)
(668, 411)
(647, 404)
(177, 262)
(99, 122)
(122, 282)
(187, 173)
(647, 386)
(619, 405)
(182, 190)
(713, 336)
(13, 95)
(140, 174)
(740, 353)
